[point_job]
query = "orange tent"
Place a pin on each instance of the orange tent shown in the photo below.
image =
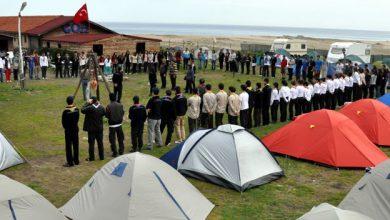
(326, 137)
(373, 117)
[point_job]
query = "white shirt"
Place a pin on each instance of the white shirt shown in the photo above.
(317, 89)
(267, 60)
(323, 87)
(83, 60)
(293, 92)
(285, 93)
(43, 61)
(1, 63)
(275, 96)
(300, 91)
(310, 88)
(336, 83)
(330, 86)
(244, 99)
(342, 84)
(307, 94)
(356, 78)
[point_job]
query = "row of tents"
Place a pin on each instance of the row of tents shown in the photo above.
(138, 186)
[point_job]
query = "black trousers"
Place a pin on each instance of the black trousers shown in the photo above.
(206, 120)
(257, 117)
(44, 70)
(163, 81)
(145, 67)
(328, 103)
(98, 136)
(266, 71)
(339, 97)
(290, 73)
(170, 127)
(220, 64)
(291, 107)
(273, 70)
(127, 67)
(364, 91)
(299, 106)
(136, 138)
(173, 81)
(283, 110)
(333, 103)
(356, 92)
(242, 67)
(254, 70)
(322, 101)
(348, 94)
(75, 72)
(118, 93)
(274, 111)
(372, 91)
(116, 134)
(244, 118)
(250, 118)
(307, 106)
(218, 119)
(233, 120)
(72, 147)
(316, 102)
(189, 86)
(265, 114)
(192, 124)
(58, 71)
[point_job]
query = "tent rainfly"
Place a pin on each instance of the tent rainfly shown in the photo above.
(373, 117)
(370, 196)
(137, 186)
(326, 211)
(326, 137)
(229, 156)
(19, 202)
(8, 155)
(385, 99)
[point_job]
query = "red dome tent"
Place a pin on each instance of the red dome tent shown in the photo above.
(373, 117)
(326, 137)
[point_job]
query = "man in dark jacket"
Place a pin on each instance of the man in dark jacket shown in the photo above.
(70, 120)
(152, 79)
(250, 92)
(257, 104)
(117, 79)
(180, 105)
(114, 114)
(163, 75)
(168, 116)
(93, 124)
(137, 116)
(58, 64)
(267, 90)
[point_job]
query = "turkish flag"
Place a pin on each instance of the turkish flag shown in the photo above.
(81, 15)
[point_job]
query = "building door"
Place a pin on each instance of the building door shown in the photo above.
(98, 48)
(140, 47)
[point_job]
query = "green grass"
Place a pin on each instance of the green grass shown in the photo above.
(32, 121)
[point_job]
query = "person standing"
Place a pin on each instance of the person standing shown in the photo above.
(75, 65)
(267, 63)
(67, 66)
(43, 61)
(58, 64)
(7, 67)
(293, 100)
(275, 99)
(70, 120)
(186, 58)
(318, 67)
(250, 92)
(114, 114)
(254, 64)
(180, 106)
(193, 110)
(257, 104)
(234, 106)
(137, 116)
(172, 74)
(190, 78)
(356, 85)
(283, 66)
(267, 90)
(284, 95)
(154, 120)
(152, 79)
(222, 100)
(317, 95)
(168, 116)
(208, 108)
(214, 60)
(36, 65)
(273, 66)
(15, 68)
(117, 80)
(300, 105)
(1, 69)
(163, 74)
(93, 124)
(244, 107)
(30, 60)
(307, 101)
(324, 88)
(373, 85)
(221, 59)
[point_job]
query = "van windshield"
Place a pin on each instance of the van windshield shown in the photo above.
(336, 50)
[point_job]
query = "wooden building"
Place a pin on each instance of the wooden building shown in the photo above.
(60, 32)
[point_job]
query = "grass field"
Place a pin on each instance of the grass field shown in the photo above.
(31, 119)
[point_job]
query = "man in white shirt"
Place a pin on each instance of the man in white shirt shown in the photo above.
(267, 64)
(330, 96)
(222, 99)
(1, 69)
(275, 100)
(285, 95)
(356, 85)
(293, 100)
(323, 89)
(43, 61)
(244, 107)
(307, 98)
(208, 108)
(316, 95)
(300, 105)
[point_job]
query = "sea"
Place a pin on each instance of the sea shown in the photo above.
(239, 30)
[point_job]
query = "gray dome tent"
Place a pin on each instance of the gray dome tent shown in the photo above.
(8, 154)
(326, 211)
(229, 156)
(371, 195)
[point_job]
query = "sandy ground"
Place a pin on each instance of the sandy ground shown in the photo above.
(234, 42)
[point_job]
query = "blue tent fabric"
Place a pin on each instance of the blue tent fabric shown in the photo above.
(172, 156)
(385, 99)
(118, 171)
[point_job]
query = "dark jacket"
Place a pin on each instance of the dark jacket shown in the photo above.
(180, 103)
(251, 97)
(154, 108)
(137, 116)
(117, 78)
(258, 99)
(94, 114)
(114, 113)
(70, 119)
(267, 91)
(168, 112)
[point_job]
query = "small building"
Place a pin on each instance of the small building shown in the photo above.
(60, 32)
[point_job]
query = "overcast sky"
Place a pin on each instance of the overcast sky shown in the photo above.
(340, 14)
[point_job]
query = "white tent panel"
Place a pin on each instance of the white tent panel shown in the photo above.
(8, 155)
(326, 211)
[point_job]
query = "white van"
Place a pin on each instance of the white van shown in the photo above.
(293, 46)
(361, 50)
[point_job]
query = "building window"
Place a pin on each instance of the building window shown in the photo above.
(47, 44)
(59, 45)
(303, 46)
(288, 46)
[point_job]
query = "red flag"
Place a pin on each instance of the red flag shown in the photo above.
(81, 15)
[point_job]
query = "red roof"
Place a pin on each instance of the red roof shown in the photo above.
(326, 137)
(50, 25)
(85, 38)
(10, 23)
(373, 117)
